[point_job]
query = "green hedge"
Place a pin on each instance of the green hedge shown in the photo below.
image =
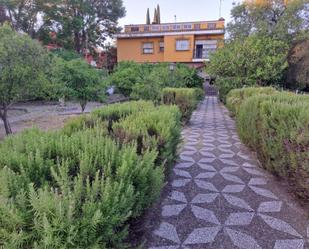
(277, 127)
(237, 96)
(185, 98)
(81, 186)
(157, 129)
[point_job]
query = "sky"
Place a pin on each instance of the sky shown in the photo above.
(185, 10)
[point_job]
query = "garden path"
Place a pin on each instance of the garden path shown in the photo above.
(217, 196)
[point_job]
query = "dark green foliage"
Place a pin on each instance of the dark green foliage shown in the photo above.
(185, 98)
(254, 61)
(24, 64)
(80, 81)
(66, 55)
(276, 126)
(145, 81)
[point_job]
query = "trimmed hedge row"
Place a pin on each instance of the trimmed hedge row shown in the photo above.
(79, 187)
(276, 126)
(236, 97)
(185, 98)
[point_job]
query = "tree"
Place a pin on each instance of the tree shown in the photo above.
(278, 20)
(23, 15)
(80, 80)
(253, 61)
(148, 17)
(158, 14)
(23, 66)
(298, 70)
(82, 25)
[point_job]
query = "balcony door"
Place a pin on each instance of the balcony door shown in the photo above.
(203, 48)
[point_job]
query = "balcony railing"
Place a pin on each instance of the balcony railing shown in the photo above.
(170, 27)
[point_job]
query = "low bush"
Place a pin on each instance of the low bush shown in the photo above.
(115, 112)
(72, 192)
(237, 96)
(185, 98)
(80, 187)
(157, 129)
(276, 126)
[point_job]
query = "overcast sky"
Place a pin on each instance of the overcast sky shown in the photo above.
(185, 10)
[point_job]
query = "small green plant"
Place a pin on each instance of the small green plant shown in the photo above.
(185, 98)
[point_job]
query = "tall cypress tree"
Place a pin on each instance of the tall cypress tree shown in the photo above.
(158, 14)
(148, 17)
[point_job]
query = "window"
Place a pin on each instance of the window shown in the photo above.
(187, 26)
(161, 46)
(182, 45)
(134, 29)
(166, 27)
(155, 28)
(197, 26)
(148, 48)
(146, 28)
(176, 27)
(211, 25)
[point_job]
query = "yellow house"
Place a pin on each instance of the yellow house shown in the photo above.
(187, 42)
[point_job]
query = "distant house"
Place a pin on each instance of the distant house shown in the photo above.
(183, 42)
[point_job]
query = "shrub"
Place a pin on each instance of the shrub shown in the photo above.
(115, 112)
(81, 123)
(72, 192)
(276, 127)
(145, 81)
(157, 129)
(237, 96)
(185, 98)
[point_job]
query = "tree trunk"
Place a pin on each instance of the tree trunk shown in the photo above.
(83, 104)
(4, 117)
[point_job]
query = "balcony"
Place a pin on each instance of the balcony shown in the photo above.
(174, 27)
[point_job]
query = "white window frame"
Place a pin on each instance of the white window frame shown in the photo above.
(176, 27)
(161, 46)
(183, 45)
(187, 26)
(148, 48)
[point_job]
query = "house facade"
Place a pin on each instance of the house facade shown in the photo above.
(187, 42)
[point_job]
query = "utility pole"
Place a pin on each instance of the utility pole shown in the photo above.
(220, 9)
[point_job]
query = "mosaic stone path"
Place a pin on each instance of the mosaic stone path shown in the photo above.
(219, 198)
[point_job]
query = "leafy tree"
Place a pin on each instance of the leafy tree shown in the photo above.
(82, 24)
(275, 19)
(81, 81)
(254, 61)
(23, 66)
(23, 15)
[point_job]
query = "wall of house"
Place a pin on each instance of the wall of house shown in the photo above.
(170, 52)
(131, 49)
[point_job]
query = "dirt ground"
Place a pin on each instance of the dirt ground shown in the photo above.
(52, 122)
(48, 115)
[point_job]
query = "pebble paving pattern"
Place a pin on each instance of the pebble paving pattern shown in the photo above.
(219, 197)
